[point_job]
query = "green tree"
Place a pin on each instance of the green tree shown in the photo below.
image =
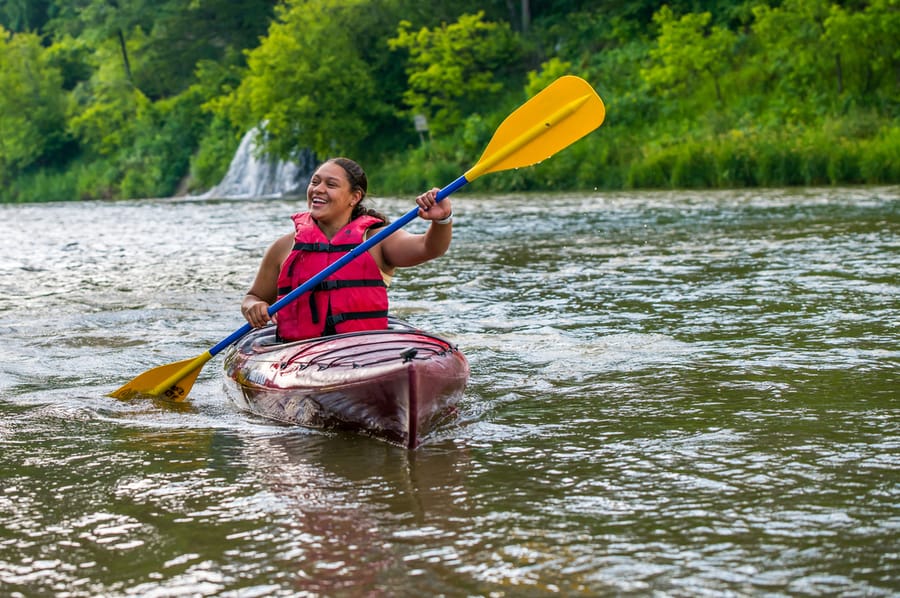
(99, 21)
(453, 68)
(102, 110)
(161, 42)
(182, 34)
(801, 64)
(32, 104)
(23, 15)
(867, 46)
(107, 102)
(308, 84)
(73, 58)
(688, 49)
(548, 73)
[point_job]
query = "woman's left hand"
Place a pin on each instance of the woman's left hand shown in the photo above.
(430, 208)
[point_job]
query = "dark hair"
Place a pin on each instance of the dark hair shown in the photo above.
(358, 182)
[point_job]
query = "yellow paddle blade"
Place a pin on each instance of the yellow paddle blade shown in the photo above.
(172, 381)
(561, 114)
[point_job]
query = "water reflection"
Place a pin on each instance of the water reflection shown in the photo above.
(339, 499)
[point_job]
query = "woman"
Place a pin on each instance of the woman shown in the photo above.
(355, 297)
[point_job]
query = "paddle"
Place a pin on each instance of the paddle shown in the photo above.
(564, 112)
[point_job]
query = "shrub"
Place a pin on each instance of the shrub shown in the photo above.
(843, 163)
(734, 161)
(651, 171)
(880, 158)
(693, 167)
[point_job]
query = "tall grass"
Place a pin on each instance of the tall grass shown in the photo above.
(79, 180)
(838, 152)
(41, 186)
(880, 162)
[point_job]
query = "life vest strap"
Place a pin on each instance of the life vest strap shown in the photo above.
(330, 285)
(332, 321)
(326, 247)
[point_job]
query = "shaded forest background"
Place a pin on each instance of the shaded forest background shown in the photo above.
(140, 98)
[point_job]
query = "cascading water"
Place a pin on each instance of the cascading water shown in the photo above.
(253, 175)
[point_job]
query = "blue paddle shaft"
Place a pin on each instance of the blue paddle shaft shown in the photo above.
(343, 261)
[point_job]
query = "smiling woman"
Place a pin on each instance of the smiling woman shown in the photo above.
(564, 112)
(336, 221)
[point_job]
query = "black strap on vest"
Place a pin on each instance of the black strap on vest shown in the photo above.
(326, 247)
(332, 321)
(330, 285)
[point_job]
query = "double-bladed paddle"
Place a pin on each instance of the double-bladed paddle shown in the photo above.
(564, 112)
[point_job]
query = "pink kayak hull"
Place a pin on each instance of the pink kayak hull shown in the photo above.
(394, 384)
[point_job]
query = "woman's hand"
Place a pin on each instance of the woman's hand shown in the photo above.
(403, 249)
(431, 209)
(255, 311)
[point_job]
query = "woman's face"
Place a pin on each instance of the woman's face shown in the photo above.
(329, 196)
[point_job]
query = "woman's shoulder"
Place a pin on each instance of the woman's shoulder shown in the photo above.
(282, 245)
(285, 240)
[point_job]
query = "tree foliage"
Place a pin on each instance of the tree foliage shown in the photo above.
(131, 97)
(307, 82)
(23, 16)
(452, 68)
(32, 105)
(867, 45)
(689, 50)
(819, 55)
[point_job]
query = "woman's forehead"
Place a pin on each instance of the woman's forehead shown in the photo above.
(331, 170)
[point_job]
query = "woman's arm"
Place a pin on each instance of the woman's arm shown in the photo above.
(264, 290)
(403, 249)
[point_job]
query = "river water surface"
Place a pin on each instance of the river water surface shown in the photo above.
(672, 394)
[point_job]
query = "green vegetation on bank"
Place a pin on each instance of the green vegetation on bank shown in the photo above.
(134, 98)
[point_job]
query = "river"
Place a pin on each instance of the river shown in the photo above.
(672, 394)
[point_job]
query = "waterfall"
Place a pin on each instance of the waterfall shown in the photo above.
(250, 175)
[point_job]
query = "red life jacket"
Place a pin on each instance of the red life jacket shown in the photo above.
(353, 298)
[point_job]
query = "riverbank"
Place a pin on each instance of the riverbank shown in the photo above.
(844, 152)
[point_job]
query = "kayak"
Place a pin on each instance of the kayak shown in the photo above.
(395, 384)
